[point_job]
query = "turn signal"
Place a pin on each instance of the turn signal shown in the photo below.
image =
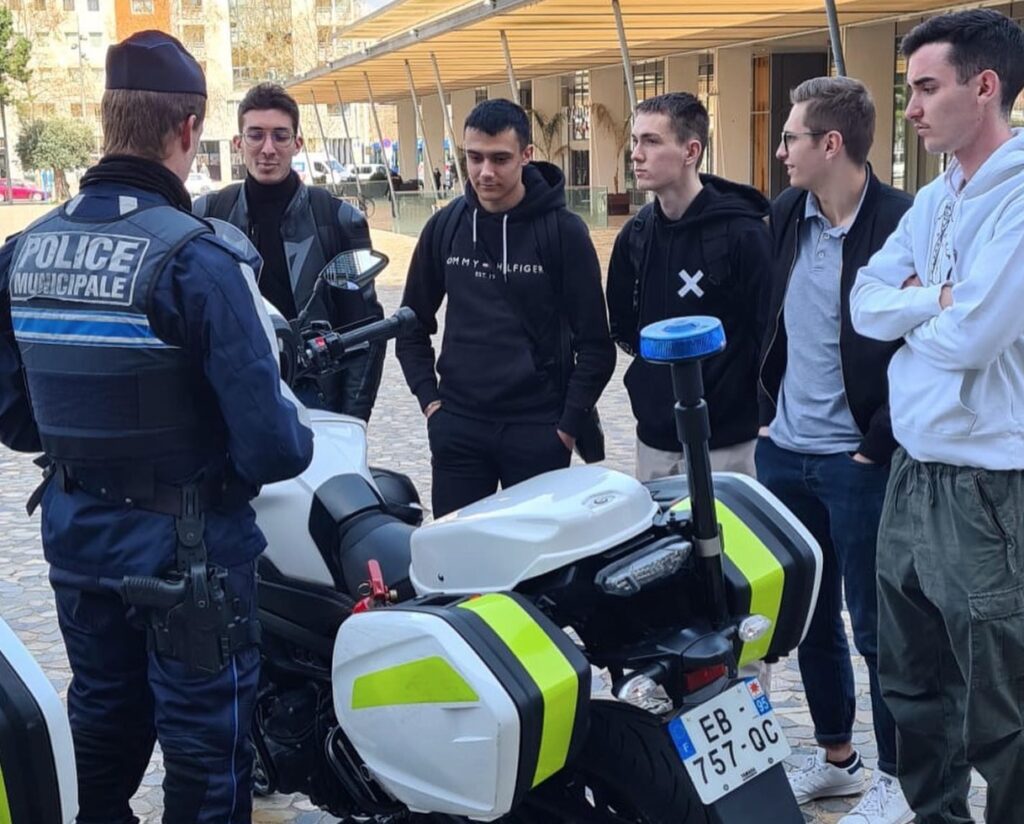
(753, 627)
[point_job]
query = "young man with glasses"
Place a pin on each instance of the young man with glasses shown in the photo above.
(825, 438)
(946, 288)
(297, 229)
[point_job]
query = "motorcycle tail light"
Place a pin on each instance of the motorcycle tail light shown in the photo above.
(698, 678)
(631, 574)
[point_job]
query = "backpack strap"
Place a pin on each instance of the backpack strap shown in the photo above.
(444, 231)
(714, 241)
(641, 230)
(219, 204)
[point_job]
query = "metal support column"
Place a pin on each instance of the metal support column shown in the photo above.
(323, 137)
(508, 65)
(309, 160)
(428, 170)
(348, 137)
(835, 37)
(448, 123)
(627, 65)
(380, 137)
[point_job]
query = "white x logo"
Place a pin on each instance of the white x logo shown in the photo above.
(690, 283)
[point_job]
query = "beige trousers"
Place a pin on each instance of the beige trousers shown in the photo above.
(654, 463)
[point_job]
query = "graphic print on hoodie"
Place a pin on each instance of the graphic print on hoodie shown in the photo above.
(679, 279)
(490, 366)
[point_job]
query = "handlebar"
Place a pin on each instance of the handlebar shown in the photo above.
(323, 350)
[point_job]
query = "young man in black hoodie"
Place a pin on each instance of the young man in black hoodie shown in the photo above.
(518, 266)
(826, 437)
(702, 248)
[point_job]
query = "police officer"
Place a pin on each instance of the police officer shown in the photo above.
(133, 355)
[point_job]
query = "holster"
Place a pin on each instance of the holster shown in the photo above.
(191, 615)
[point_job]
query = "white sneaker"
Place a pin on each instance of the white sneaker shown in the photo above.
(820, 779)
(883, 803)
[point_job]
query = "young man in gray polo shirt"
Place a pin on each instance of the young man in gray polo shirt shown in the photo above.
(825, 437)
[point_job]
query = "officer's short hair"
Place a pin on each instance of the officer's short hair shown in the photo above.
(980, 39)
(492, 117)
(265, 96)
(839, 104)
(138, 122)
(685, 112)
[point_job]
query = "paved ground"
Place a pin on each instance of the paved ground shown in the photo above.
(397, 440)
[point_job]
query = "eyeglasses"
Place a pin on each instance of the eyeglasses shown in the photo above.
(788, 136)
(255, 137)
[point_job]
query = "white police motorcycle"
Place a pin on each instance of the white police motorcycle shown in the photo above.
(442, 673)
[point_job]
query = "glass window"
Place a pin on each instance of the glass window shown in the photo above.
(579, 107)
(526, 94)
(96, 39)
(142, 6)
(93, 5)
(69, 5)
(649, 79)
(481, 94)
(760, 124)
(194, 37)
(707, 93)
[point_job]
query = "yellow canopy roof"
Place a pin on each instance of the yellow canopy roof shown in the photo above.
(548, 37)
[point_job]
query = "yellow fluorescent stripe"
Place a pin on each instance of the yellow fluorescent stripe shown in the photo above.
(759, 566)
(5, 810)
(546, 665)
(425, 681)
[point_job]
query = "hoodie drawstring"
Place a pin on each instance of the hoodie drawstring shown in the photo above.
(504, 243)
(504, 248)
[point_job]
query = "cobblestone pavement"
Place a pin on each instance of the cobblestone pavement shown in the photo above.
(397, 440)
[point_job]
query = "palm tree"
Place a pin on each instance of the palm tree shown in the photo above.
(619, 130)
(549, 129)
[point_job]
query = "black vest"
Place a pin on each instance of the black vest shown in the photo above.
(106, 391)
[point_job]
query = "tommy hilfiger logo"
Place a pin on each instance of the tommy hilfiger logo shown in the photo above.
(690, 283)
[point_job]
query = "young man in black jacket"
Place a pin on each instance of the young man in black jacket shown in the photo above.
(701, 248)
(298, 229)
(518, 266)
(826, 438)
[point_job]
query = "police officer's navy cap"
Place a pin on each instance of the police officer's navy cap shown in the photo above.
(153, 61)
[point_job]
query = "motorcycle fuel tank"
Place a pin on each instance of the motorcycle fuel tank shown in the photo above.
(529, 529)
(282, 509)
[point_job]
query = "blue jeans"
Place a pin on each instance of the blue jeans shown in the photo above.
(840, 503)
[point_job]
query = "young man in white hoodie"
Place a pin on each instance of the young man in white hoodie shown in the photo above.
(949, 283)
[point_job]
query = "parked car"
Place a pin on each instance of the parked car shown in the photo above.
(377, 171)
(198, 183)
(336, 172)
(20, 190)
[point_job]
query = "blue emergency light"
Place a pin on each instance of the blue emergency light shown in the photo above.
(682, 339)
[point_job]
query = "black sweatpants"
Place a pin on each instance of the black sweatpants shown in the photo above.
(471, 457)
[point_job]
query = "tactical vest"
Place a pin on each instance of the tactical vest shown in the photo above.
(105, 389)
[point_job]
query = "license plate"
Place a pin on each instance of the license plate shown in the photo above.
(728, 740)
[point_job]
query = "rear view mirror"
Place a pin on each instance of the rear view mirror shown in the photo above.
(354, 269)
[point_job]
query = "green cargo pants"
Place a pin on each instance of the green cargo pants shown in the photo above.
(951, 635)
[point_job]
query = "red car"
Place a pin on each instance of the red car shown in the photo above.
(20, 190)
